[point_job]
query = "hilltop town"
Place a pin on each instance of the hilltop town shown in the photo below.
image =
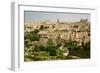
(54, 40)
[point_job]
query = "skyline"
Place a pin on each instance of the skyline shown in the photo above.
(31, 16)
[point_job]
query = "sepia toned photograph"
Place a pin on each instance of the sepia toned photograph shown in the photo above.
(50, 36)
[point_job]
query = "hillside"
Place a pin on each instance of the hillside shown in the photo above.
(54, 40)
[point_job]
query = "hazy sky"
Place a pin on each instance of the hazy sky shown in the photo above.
(39, 16)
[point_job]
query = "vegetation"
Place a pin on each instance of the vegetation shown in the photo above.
(38, 48)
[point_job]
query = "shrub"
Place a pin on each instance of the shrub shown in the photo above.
(71, 45)
(34, 37)
(59, 44)
(42, 48)
(31, 36)
(52, 50)
(40, 56)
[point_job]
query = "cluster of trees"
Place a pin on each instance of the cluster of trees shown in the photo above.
(51, 51)
(82, 51)
(42, 52)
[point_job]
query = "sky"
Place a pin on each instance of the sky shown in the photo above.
(31, 16)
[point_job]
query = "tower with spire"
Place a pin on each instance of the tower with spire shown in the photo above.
(57, 20)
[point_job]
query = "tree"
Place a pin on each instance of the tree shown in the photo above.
(51, 47)
(42, 48)
(71, 45)
(50, 42)
(36, 31)
(41, 27)
(37, 48)
(52, 50)
(87, 46)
